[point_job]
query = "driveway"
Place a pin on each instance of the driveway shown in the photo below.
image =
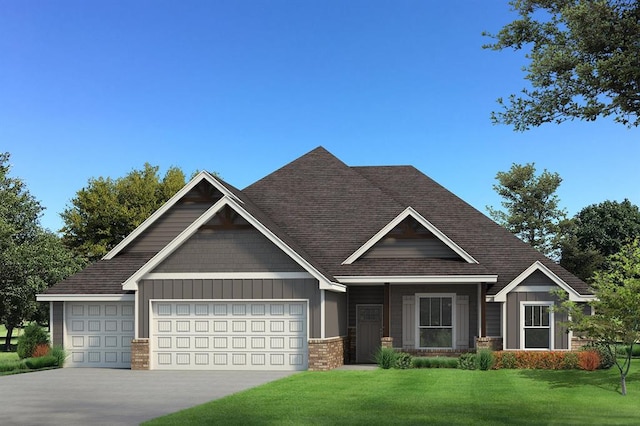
(100, 396)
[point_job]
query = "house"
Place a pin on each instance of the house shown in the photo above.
(314, 265)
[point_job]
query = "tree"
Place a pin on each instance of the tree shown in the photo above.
(598, 231)
(531, 205)
(584, 61)
(107, 210)
(615, 320)
(30, 258)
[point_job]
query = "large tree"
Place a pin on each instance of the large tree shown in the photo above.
(31, 259)
(531, 209)
(598, 231)
(583, 61)
(107, 210)
(615, 320)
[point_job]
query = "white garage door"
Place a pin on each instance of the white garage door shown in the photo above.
(99, 334)
(229, 335)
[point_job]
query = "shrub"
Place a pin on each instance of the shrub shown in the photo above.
(570, 361)
(41, 362)
(589, 360)
(41, 350)
(635, 352)
(59, 354)
(508, 360)
(467, 361)
(33, 336)
(484, 359)
(403, 360)
(435, 362)
(606, 357)
(386, 358)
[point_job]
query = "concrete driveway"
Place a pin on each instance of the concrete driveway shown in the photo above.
(100, 396)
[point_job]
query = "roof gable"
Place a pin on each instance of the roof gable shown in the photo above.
(202, 187)
(209, 217)
(409, 212)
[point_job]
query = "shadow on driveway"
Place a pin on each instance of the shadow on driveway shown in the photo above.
(100, 396)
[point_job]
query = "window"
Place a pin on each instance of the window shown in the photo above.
(537, 320)
(435, 321)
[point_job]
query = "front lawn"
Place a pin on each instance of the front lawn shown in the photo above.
(427, 396)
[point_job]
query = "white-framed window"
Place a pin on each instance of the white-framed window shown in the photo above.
(536, 325)
(435, 317)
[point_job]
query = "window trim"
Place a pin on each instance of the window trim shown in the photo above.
(551, 327)
(419, 296)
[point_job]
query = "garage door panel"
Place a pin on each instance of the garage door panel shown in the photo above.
(99, 334)
(229, 335)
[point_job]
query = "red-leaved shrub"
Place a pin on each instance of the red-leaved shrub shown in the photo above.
(41, 350)
(588, 360)
(542, 360)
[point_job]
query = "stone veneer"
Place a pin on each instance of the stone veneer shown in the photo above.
(140, 354)
(493, 343)
(578, 342)
(326, 354)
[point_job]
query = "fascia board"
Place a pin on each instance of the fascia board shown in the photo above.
(85, 297)
(418, 279)
(409, 211)
(501, 296)
(166, 206)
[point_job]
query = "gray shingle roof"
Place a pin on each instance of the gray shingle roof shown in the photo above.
(325, 210)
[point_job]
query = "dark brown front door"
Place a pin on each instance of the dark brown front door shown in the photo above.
(368, 332)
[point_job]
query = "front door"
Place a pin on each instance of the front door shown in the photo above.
(368, 332)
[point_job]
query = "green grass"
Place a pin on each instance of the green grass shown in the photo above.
(8, 356)
(440, 396)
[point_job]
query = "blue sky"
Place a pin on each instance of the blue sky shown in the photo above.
(98, 88)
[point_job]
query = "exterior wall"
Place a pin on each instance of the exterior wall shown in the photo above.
(397, 291)
(167, 227)
(140, 354)
(326, 354)
(493, 315)
(335, 308)
(57, 327)
(561, 338)
(245, 250)
(363, 295)
(431, 248)
(229, 289)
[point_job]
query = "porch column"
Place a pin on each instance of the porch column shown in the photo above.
(483, 309)
(386, 311)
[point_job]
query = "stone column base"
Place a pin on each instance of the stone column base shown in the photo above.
(493, 343)
(326, 354)
(140, 354)
(386, 342)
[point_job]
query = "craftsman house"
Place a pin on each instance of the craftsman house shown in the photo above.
(315, 265)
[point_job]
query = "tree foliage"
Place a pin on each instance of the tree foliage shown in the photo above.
(530, 205)
(616, 306)
(107, 210)
(598, 231)
(584, 61)
(31, 258)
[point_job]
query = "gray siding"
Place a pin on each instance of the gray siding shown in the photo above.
(363, 295)
(229, 289)
(537, 278)
(57, 327)
(391, 248)
(168, 226)
(492, 316)
(561, 338)
(397, 291)
(228, 251)
(335, 319)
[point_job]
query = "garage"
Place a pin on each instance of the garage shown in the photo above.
(229, 335)
(99, 334)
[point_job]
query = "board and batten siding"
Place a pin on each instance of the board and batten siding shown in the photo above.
(514, 325)
(335, 307)
(493, 314)
(399, 291)
(233, 250)
(167, 227)
(57, 326)
(223, 289)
